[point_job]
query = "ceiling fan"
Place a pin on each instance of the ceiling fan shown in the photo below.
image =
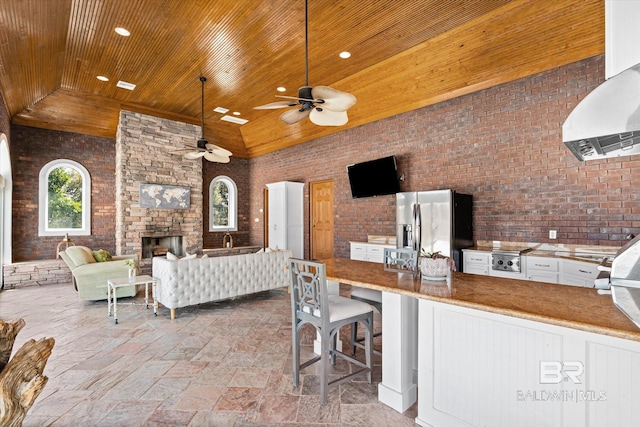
(324, 105)
(203, 148)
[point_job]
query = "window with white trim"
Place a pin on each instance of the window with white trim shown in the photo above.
(64, 199)
(223, 204)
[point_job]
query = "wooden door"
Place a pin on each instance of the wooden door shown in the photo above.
(321, 195)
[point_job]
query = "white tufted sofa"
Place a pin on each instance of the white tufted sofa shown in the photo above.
(196, 281)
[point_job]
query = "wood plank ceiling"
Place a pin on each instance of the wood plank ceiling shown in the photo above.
(405, 54)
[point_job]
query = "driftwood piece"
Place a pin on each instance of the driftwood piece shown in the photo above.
(21, 380)
(8, 333)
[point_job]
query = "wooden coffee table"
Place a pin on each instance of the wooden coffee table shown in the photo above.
(113, 284)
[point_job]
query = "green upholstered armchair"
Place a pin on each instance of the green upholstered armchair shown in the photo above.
(90, 277)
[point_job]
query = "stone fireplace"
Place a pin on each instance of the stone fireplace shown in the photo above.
(146, 154)
(160, 245)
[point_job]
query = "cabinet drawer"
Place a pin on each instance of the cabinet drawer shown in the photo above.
(583, 270)
(542, 264)
(478, 258)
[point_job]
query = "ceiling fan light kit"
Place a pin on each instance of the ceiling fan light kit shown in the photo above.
(324, 105)
(203, 148)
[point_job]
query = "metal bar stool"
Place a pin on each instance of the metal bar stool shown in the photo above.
(401, 260)
(311, 304)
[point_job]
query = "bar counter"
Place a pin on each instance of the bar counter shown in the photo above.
(561, 305)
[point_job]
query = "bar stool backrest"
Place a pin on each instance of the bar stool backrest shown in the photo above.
(402, 260)
(309, 295)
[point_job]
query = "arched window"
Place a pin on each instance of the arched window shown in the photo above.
(223, 204)
(65, 199)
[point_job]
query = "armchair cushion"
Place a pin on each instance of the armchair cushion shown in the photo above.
(80, 255)
(102, 255)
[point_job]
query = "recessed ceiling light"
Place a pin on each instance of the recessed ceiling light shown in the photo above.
(122, 31)
(102, 78)
(126, 85)
(345, 55)
(220, 110)
(281, 89)
(236, 113)
(232, 119)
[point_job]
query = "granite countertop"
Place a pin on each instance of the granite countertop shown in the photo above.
(568, 306)
(585, 253)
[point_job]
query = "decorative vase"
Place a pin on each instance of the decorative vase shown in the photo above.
(434, 268)
(132, 273)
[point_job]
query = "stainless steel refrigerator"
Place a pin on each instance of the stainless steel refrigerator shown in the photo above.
(439, 220)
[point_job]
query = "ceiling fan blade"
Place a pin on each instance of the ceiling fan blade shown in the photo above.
(293, 116)
(334, 99)
(217, 158)
(328, 117)
(218, 150)
(275, 105)
(192, 155)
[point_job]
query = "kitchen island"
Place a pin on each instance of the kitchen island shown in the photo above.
(484, 350)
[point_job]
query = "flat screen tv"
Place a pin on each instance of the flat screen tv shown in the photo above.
(374, 178)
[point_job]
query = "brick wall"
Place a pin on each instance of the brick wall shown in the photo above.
(31, 149)
(503, 145)
(238, 170)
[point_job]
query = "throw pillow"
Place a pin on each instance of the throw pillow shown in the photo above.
(102, 255)
(171, 257)
(188, 257)
(80, 255)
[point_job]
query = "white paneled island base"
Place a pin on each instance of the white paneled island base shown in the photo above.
(501, 352)
(477, 368)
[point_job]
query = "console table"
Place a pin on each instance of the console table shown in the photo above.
(113, 284)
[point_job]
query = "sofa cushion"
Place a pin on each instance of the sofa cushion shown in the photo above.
(172, 257)
(102, 255)
(80, 255)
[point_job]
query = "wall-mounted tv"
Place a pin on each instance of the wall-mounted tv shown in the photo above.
(374, 178)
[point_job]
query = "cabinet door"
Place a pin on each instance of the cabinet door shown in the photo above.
(543, 276)
(359, 251)
(475, 262)
(476, 269)
(375, 253)
(577, 273)
(542, 269)
(277, 217)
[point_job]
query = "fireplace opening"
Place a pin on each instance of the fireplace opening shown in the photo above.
(160, 245)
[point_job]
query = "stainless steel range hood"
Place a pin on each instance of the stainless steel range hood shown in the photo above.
(606, 123)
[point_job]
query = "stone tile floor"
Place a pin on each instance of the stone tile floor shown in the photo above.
(217, 364)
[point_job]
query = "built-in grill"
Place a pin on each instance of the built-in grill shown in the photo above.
(507, 259)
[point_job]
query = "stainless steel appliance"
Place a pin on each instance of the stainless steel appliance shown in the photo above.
(623, 278)
(503, 260)
(435, 221)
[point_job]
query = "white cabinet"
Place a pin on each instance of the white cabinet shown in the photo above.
(477, 368)
(286, 220)
(542, 269)
(578, 273)
(476, 262)
(371, 252)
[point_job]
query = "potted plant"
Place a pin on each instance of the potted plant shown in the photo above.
(434, 265)
(132, 267)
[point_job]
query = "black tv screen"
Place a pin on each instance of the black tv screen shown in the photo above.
(374, 178)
